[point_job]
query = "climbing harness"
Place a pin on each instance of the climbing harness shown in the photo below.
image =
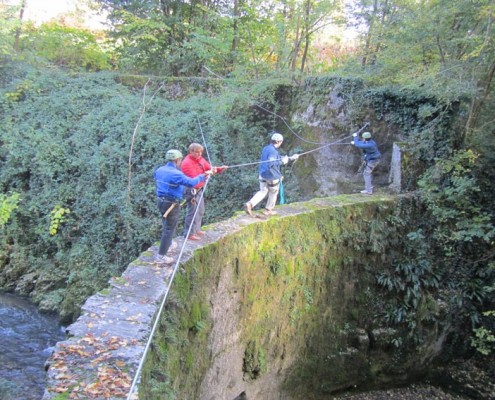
(169, 210)
(361, 167)
(192, 195)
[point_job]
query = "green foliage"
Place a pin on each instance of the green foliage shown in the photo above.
(9, 24)
(66, 142)
(57, 217)
(411, 282)
(461, 237)
(450, 192)
(8, 203)
(446, 58)
(65, 46)
(484, 334)
(249, 38)
(483, 341)
(254, 362)
(20, 91)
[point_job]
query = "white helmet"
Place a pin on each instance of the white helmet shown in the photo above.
(277, 137)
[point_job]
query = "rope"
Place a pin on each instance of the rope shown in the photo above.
(167, 289)
(176, 266)
(204, 141)
(282, 118)
(300, 154)
(162, 305)
(286, 124)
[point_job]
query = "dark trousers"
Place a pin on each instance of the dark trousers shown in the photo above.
(194, 202)
(169, 224)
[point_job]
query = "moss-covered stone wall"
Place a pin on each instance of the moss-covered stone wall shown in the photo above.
(284, 307)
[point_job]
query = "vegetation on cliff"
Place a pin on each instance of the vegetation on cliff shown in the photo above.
(85, 119)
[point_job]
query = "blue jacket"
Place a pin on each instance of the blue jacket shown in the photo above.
(370, 149)
(270, 170)
(170, 181)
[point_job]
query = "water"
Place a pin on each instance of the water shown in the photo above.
(27, 338)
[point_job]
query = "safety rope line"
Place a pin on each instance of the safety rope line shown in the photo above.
(279, 116)
(286, 124)
(300, 154)
(204, 141)
(176, 266)
(167, 289)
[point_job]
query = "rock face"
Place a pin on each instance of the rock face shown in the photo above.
(334, 168)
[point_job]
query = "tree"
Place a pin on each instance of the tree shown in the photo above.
(452, 57)
(73, 48)
(9, 29)
(18, 31)
(177, 38)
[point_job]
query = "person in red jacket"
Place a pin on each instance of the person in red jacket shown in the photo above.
(194, 165)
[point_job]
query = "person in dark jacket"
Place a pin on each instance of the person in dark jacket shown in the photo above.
(371, 158)
(170, 182)
(269, 175)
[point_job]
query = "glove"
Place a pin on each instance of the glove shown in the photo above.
(294, 157)
(285, 159)
(209, 173)
(219, 170)
(352, 142)
(354, 134)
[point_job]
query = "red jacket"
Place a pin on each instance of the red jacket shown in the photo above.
(193, 167)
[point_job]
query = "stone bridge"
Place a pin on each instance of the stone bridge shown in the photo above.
(106, 344)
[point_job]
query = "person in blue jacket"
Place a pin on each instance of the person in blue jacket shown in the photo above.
(371, 158)
(170, 182)
(269, 175)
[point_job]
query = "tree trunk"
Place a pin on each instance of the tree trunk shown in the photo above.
(19, 30)
(369, 35)
(307, 34)
(235, 29)
(296, 46)
(478, 101)
(484, 85)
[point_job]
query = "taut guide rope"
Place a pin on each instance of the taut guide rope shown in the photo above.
(162, 305)
(167, 289)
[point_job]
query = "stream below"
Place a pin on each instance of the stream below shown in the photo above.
(27, 338)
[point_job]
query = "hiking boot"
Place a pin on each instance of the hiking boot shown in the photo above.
(173, 246)
(269, 212)
(200, 233)
(193, 237)
(162, 260)
(366, 192)
(249, 209)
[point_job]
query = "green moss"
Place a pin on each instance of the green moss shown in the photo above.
(62, 396)
(254, 363)
(304, 277)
